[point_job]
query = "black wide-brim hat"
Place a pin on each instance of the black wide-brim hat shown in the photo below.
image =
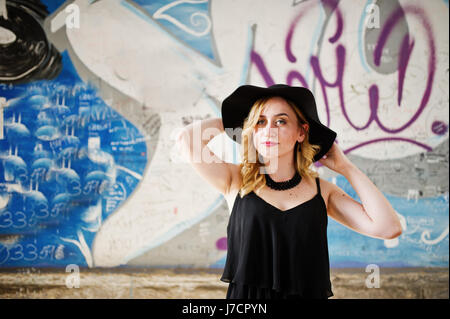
(236, 107)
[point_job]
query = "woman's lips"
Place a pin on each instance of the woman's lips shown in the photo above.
(269, 143)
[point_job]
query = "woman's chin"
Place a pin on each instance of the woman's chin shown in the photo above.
(267, 157)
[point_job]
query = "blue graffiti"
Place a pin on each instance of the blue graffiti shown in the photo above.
(188, 22)
(62, 170)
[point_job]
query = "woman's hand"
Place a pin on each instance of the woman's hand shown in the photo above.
(335, 159)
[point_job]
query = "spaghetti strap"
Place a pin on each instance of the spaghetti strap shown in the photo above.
(318, 185)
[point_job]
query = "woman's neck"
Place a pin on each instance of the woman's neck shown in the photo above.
(281, 168)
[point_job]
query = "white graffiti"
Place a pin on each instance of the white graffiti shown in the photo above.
(413, 193)
(425, 237)
(84, 248)
(160, 15)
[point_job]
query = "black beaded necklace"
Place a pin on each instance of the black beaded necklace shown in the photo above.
(281, 186)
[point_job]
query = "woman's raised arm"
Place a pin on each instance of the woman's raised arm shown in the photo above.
(193, 141)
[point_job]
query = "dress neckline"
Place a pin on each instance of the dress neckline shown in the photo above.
(289, 209)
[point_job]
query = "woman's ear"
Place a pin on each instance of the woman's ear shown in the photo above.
(303, 129)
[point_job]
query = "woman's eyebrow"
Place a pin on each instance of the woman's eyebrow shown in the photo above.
(279, 114)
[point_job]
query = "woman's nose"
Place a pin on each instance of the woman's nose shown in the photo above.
(270, 130)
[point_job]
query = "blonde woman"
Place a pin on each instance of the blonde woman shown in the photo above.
(277, 231)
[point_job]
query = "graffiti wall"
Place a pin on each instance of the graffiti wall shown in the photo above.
(92, 94)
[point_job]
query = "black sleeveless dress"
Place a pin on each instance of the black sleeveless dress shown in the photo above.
(275, 254)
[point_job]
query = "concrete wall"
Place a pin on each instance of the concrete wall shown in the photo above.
(94, 92)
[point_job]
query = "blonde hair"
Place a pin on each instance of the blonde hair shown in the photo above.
(250, 167)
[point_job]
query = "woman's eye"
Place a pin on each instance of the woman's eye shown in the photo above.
(278, 121)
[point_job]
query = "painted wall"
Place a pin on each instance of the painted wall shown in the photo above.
(92, 94)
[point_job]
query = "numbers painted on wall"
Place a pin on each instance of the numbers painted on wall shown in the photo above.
(31, 217)
(30, 252)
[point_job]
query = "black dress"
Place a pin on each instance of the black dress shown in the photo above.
(275, 254)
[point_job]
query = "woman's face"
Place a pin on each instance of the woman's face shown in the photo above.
(278, 125)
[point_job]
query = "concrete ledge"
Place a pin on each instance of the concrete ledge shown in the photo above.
(204, 283)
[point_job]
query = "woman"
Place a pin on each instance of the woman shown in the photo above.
(277, 241)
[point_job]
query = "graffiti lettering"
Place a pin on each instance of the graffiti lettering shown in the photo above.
(373, 93)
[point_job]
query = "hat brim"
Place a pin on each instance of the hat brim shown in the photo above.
(236, 107)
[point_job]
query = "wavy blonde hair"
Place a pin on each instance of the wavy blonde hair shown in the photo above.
(304, 153)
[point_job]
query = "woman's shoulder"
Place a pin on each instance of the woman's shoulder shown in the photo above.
(325, 188)
(324, 184)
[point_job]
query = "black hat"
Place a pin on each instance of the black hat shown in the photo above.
(237, 105)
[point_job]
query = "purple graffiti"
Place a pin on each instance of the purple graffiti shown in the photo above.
(221, 243)
(258, 61)
(390, 139)
(405, 54)
(340, 63)
(439, 128)
(406, 48)
(294, 75)
(287, 43)
(333, 5)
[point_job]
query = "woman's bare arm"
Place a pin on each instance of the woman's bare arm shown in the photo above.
(193, 141)
(375, 217)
